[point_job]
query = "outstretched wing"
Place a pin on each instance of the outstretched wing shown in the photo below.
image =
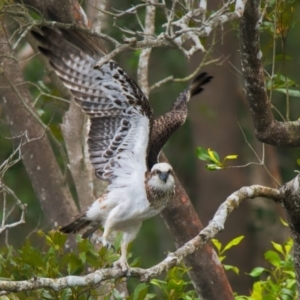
(164, 126)
(120, 114)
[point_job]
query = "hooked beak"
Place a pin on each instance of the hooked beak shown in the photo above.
(164, 176)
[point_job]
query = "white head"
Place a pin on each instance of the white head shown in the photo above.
(161, 176)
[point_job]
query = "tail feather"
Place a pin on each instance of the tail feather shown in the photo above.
(90, 230)
(198, 82)
(80, 223)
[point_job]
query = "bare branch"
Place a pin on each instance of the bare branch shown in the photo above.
(142, 71)
(216, 225)
(5, 190)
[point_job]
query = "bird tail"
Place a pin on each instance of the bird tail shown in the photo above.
(79, 223)
(198, 82)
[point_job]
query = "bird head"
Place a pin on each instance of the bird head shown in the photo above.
(162, 175)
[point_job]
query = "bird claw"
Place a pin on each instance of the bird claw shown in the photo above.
(105, 243)
(123, 265)
(109, 246)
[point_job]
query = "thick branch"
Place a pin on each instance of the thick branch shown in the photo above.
(267, 129)
(172, 259)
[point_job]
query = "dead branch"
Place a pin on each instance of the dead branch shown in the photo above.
(216, 225)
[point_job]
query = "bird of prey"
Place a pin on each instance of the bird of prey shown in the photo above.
(124, 138)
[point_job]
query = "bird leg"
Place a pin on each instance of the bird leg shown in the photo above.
(104, 242)
(128, 236)
(103, 239)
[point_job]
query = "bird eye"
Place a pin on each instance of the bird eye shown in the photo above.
(169, 171)
(158, 172)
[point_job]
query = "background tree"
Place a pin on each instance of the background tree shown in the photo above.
(34, 113)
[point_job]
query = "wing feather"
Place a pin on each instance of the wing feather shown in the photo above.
(165, 125)
(119, 112)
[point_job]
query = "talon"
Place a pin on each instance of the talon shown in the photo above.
(123, 265)
(104, 242)
(109, 246)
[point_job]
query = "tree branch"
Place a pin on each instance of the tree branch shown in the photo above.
(216, 225)
(5, 190)
(267, 129)
(142, 72)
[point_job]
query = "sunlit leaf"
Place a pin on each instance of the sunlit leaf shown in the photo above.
(257, 291)
(282, 221)
(214, 157)
(273, 258)
(232, 268)
(288, 246)
(257, 271)
(233, 156)
(202, 154)
(291, 273)
(217, 244)
(233, 242)
(212, 167)
(278, 247)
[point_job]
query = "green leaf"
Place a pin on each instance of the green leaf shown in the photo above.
(213, 167)
(233, 242)
(140, 292)
(257, 291)
(230, 157)
(292, 93)
(288, 246)
(232, 268)
(273, 258)
(176, 285)
(158, 282)
(291, 273)
(278, 247)
(217, 244)
(222, 257)
(257, 271)
(214, 157)
(281, 220)
(202, 154)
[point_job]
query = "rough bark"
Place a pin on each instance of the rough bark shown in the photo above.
(267, 129)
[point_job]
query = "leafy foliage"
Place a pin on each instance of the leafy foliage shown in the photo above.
(221, 250)
(54, 261)
(213, 158)
(176, 286)
(279, 280)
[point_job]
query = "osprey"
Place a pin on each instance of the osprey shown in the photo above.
(124, 138)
